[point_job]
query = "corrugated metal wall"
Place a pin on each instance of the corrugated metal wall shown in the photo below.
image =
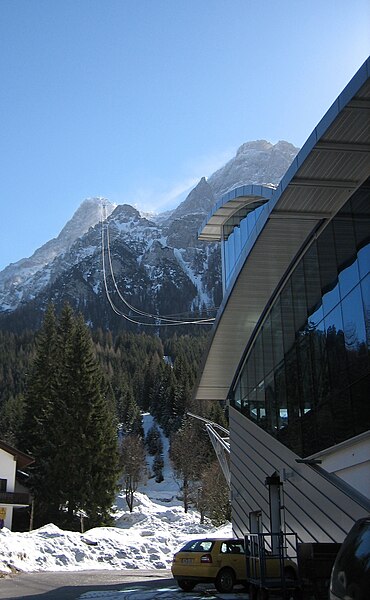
(317, 506)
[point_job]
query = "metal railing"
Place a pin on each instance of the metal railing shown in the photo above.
(219, 437)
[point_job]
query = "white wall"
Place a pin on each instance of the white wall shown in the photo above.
(8, 466)
(351, 462)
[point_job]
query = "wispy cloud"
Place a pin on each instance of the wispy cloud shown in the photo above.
(161, 196)
(208, 164)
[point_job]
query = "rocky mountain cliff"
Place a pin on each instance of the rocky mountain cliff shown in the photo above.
(159, 266)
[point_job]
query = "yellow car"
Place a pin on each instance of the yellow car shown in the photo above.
(219, 561)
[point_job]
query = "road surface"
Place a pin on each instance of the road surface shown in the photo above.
(128, 584)
(70, 585)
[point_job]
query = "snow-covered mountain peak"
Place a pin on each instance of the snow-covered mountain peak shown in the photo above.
(257, 162)
(15, 277)
(158, 261)
(87, 215)
(126, 211)
(257, 145)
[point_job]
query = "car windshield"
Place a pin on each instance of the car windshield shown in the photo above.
(198, 546)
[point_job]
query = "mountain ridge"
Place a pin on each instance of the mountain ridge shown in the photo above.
(159, 264)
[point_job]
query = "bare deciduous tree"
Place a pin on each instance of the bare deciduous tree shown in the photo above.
(133, 465)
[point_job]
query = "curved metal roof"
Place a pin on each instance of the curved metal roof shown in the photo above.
(332, 164)
(233, 207)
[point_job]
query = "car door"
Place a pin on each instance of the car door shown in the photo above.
(232, 555)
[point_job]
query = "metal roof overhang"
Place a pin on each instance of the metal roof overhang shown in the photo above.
(332, 164)
(235, 205)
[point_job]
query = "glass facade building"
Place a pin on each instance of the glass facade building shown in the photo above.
(305, 377)
(289, 349)
(234, 242)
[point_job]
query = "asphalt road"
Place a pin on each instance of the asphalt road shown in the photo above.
(70, 585)
(130, 584)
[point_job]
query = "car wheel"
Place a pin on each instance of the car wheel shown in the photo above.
(225, 581)
(186, 584)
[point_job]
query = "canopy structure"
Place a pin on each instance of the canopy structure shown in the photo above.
(231, 209)
(332, 164)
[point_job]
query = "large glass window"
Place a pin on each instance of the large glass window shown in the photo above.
(235, 242)
(277, 333)
(306, 379)
(313, 287)
(299, 298)
(345, 245)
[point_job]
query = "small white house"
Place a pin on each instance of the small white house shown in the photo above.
(11, 495)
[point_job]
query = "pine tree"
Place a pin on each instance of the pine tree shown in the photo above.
(11, 419)
(153, 440)
(87, 445)
(38, 400)
(72, 429)
(36, 435)
(158, 464)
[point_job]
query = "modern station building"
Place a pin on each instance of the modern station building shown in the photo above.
(290, 346)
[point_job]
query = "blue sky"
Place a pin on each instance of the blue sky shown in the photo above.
(135, 100)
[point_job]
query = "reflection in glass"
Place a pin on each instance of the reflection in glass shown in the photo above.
(244, 230)
(277, 333)
(234, 243)
(305, 369)
(365, 289)
(271, 408)
(328, 269)
(287, 317)
(345, 247)
(364, 260)
(258, 350)
(237, 397)
(336, 350)
(348, 278)
(306, 380)
(360, 409)
(334, 321)
(260, 407)
(313, 287)
(243, 384)
(353, 320)
(267, 346)
(299, 298)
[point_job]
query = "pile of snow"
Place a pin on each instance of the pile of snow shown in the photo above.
(144, 539)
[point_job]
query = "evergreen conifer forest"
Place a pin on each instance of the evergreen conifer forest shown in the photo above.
(73, 397)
